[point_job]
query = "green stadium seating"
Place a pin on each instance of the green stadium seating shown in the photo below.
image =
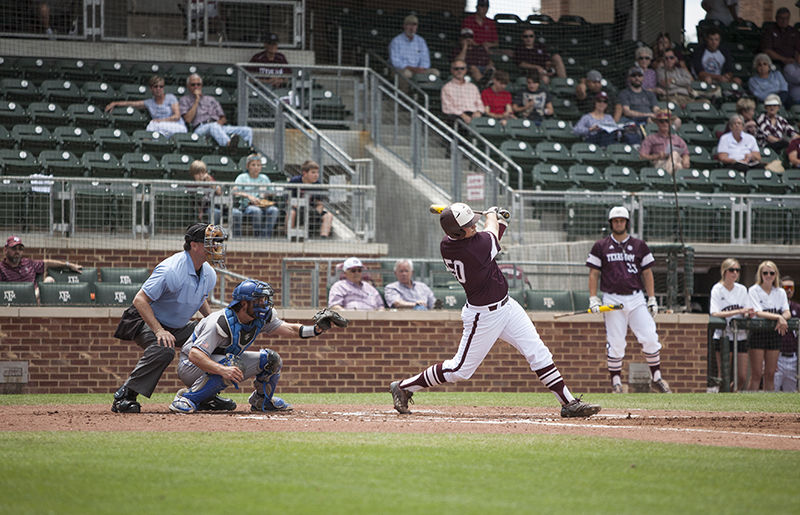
(177, 166)
(47, 114)
(580, 300)
(74, 139)
(223, 168)
(588, 177)
(694, 180)
(660, 223)
(115, 141)
(772, 222)
(559, 131)
(6, 141)
(128, 118)
(548, 300)
(552, 177)
(520, 152)
(32, 138)
(36, 69)
(19, 162)
(122, 275)
(656, 179)
(589, 154)
(87, 116)
(62, 92)
(67, 276)
(554, 152)
(766, 182)
(76, 70)
(103, 164)
(12, 113)
(116, 294)
(115, 73)
(63, 294)
(62, 163)
(525, 130)
(194, 145)
(142, 166)
(791, 178)
(153, 142)
(697, 134)
(490, 129)
(99, 93)
(17, 294)
(452, 298)
(20, 90)
(103, 208)
(624, 178)
(730, 181)
(133, 92)
(626, 155)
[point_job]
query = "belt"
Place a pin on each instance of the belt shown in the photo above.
(788, 354)
(634, 292)
(490, 307)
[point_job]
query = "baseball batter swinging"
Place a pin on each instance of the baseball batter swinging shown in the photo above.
(622, 263)
(489, 313)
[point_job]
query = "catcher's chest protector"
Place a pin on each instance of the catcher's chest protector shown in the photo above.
(242, 336)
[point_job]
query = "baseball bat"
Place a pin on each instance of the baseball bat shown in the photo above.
(437, 209)
(604, 308)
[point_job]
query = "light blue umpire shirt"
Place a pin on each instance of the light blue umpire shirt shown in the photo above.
(177, 291)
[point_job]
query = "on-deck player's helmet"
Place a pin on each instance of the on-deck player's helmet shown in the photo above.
(619, 212)
(254, 290)
(455, 217)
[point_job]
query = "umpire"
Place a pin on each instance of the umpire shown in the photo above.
(162, 310)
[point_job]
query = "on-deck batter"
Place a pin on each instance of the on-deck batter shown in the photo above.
(622, 263)
(489, 313)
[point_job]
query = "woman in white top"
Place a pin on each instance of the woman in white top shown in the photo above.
(770, 303)
(729, 300)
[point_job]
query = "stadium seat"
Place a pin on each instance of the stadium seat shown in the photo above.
(550, 177)
(153, 142)
(103, 164)
(174, 208)
(6, 141)
(133, 92)
(562, 87)
(115, 73)
(452, 298)
(222, 75)
(19, 162)
(626, 155)
(32, 138)
(76, 70)
(588, 177)
(20, 90)
(141, 166)
(194, 145)
(177, 166)
(525, 130)
(126, 276)
(730, 181)
(128, 118)
(565, 109)
(580, 300)
(12, 113)
(115, 141)
(17, 294)
(36, 69)
(87, 116)
(623, 178)
(8, 68)
(62, 92)
(61, 163)
(589, 154)
(146, 70)
(520, 152)
(704, 113)
(772, 222)
(548, 300)
(791, 178)
(67, 276)
(63, 294)
(656, 179)
(660, 223)
(47, 114)
(178, 73)
(74, 139)
(699, 157)
(554, 152)
(697, 134)
(694, 180)
(223, 168)
(115, 294)
(99, 93)
(559, 131)
(490, 129)
(103, 208)
(766, 182)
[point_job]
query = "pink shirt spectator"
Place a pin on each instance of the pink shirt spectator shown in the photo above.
(461, 98)
(655, 143)
(362, 296)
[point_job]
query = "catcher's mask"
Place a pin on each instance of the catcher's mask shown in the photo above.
(213, 238)
(254, 291)
(455, 218)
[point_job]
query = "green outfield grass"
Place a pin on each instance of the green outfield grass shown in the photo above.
(375, 473)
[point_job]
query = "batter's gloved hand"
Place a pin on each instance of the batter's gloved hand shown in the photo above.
(504, 213)
(652, 305)
(324, 317)
(492, 209)
(594, 304)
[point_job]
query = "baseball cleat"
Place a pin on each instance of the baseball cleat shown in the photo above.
(616, 388)
(400, 398)
(578, 408)
(659, 386)
(217, 403)
(182, 405)
(276, 404)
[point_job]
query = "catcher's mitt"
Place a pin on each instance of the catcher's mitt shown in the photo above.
(325, 317)
(262, 202)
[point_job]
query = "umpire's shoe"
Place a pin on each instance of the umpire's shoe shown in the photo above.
(400, 398)
(578, 408)
(217, 403)
(125, 401)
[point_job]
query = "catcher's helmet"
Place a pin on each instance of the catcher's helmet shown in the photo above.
(254, 290)
(213, 238)
(455, 218)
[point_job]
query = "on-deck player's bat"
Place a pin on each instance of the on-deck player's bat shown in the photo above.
(438, 208)
(604, 308)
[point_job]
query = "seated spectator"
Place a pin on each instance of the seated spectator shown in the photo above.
(660, 47)
(199, 172)
(656, 147)
(675, 80)
(405, 293)
(55, 16)
(497, 100)
(320, 221)
(533, 56)
(479, 64)
(276, 77)
(791, 73)
(205, 116)
(644, 60)
(533, 103)
(163, 109)
(482, 27)
(597, 126)
(587, 89)
(254, 200)
(460, 98)
(638, 105)
(711, 61)
(723, 11)
(18, 269)
(793, 153)
(766, 81)
(774, 131)
(353, 292)
(737, 149)
(746, 108)
(780, 41)
(408, 51)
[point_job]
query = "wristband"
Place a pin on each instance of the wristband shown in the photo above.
(308, 331)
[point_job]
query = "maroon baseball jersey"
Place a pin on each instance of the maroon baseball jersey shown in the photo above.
(620, 264)
(24, 273)
(471, 261)
(261, 57)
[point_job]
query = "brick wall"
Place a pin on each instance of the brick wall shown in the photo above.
(71, 350)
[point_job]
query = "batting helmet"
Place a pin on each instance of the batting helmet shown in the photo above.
(619, 212)
(253, 290)
(455, 218)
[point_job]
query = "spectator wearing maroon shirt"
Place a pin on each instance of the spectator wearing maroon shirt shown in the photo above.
(484, 29)
(479, 65)
(531, 55)
(16, 268)
(781, 41)
(497, 100)
(270, 55)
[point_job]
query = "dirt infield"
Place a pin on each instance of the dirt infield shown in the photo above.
(743, 429)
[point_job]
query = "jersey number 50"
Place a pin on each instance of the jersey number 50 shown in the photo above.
(456, 268)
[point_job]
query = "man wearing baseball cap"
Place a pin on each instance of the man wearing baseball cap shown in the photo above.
(275, 75)
(353, 292)
(483, 28)
(16, 268)
(408, 51)
(588, 88)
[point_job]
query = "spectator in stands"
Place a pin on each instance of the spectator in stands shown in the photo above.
(662, 44)
(353, 292)
(479, 64)
(59, 14)
(275, 77)
(408, 51)
(737, 149)
(746, 108)
(199, 172)
(483, 28)
(163, 108)
(460, 98)
(644, 60)
(770, 303)
(656, 147)
(254, 201)
(780, 41)
(729, 300)
(205, 116)
(638, 104)
(723, 11)
(675, 80)
(533, 56)
(18, 269)
(767, 81)
(533, 103)
(320, 221)
(774, 131)
(793, 153)
(405, 293)
(597, 126)
(587, 89)
(711, 61)
(791, 72)
(786, 373)
(497, 100)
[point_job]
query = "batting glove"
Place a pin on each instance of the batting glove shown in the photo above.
(504, 213)
(652, 305)
(492, 209)
(594, 304)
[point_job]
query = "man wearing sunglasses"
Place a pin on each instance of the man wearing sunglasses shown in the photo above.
(531, 55)
(353, 292)
(206, 117)
(460, 98)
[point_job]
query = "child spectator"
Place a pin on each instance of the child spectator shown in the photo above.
(533, 103)
(497, 100)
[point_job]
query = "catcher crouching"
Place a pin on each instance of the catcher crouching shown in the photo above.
(216, 354)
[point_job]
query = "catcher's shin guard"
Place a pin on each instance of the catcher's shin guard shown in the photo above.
(265, 383)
